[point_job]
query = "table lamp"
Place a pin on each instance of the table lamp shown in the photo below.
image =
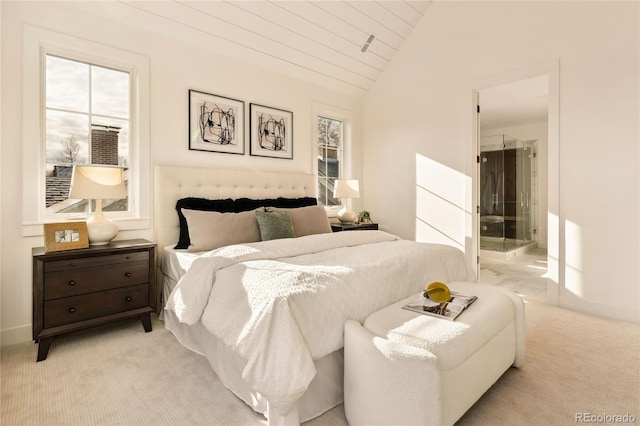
(346, 188)
(98, 182)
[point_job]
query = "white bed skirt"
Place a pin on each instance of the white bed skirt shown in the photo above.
(324, 392)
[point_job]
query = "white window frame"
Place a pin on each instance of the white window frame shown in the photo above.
(346, 162)
(37, 43)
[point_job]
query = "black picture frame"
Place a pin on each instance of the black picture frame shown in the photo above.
(271, 131)
(216, 123)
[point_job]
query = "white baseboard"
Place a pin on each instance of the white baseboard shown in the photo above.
(15, 335)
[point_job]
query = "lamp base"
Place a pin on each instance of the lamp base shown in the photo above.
(346, 215)
(101, 230)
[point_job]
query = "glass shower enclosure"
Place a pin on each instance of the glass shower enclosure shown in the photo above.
(507, 196)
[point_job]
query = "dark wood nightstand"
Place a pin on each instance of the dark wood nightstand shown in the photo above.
(77, 289)
(337, 227)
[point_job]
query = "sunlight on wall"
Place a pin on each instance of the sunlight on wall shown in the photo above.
(573, 279)
(440, 202)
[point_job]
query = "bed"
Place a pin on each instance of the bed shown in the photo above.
(269, 315)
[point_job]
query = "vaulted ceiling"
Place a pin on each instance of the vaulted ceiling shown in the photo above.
(319, 41)
(342, 45)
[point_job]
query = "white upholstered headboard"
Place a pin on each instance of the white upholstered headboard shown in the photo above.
(175, 182)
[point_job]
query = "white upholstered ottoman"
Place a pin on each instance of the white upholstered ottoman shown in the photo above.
(401, 367)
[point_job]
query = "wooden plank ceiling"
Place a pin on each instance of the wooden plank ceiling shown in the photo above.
(318, 41)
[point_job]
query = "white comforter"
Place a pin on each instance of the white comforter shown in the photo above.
(282, 304)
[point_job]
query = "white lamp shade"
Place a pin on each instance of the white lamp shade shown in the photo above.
(346, 188)
(97, 182)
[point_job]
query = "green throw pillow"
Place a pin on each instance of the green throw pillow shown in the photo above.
(275, 225)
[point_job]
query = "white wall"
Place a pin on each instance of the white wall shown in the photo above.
(422, 106)
(537, 132)
(174, 69)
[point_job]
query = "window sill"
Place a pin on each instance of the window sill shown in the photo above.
(36, 229)
(332, 211)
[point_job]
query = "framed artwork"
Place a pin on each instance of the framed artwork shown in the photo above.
(216, 123)
(65, 236)
(271, 132)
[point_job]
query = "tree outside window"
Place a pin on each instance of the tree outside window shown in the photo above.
(330, 144)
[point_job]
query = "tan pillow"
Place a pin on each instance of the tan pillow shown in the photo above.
(211, 230)
(307, 220)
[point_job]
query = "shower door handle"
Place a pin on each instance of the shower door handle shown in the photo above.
(521, 199)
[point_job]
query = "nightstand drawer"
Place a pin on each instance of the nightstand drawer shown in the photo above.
(79, 308)
(77, 281)
(88, 262)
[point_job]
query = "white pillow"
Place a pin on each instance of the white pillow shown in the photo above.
(212, 230)
(307, 220)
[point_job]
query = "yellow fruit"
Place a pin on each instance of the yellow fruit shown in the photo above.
(438, 292)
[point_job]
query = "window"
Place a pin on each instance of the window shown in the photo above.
(330, 149)
(87, 122)
(83, 102)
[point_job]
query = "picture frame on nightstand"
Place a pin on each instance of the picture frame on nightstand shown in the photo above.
(65, 236)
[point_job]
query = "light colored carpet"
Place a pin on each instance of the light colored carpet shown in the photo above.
(119, 375)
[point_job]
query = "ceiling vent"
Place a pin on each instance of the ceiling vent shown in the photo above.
(367, 43)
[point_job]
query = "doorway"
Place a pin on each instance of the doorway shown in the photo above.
(512, 185)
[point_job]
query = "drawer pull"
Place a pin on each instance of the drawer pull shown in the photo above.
(72, 310)
(72, 282)
(128, 299)
(127, 274)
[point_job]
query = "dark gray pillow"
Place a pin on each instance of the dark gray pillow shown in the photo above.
(275, 225)
(247, 204)
(289, 203)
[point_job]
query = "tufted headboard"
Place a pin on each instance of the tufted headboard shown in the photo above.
(175, 182)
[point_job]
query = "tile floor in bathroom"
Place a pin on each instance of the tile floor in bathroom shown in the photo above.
(524, 274)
